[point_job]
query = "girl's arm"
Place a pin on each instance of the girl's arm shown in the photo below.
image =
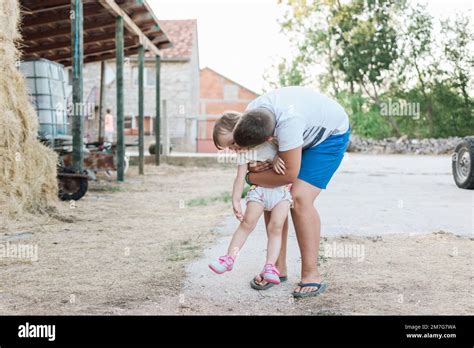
(237, 190)
(268, 178)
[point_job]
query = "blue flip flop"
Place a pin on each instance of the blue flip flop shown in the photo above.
(321, 288)
(256, 286)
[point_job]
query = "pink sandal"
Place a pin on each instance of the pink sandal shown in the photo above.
(270, 274)
(223, 264)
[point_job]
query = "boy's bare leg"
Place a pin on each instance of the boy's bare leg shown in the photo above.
(252, 214)
(274, 230)
(308, 230)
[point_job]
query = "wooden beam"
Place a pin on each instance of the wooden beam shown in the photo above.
(141, 116)
(66, 31)
(154, 28)
(41, 10)
(115, 9)
(119, 86)
(59, 15)
(30, 21)
(159, 38)
(33, 5)
(127, 50)
(64, 44)
(92, 51)
(77, 85)
(147, 21)
(136, 11)
(101, 57)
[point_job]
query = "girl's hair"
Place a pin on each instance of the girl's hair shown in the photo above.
(225, 124)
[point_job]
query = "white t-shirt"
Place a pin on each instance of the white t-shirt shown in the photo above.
(262, 152)
(303, 116)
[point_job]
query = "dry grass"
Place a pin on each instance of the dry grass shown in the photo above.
(27, 168)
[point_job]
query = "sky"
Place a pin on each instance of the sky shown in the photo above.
(242, 39)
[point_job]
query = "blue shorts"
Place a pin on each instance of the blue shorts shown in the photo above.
(320, 162)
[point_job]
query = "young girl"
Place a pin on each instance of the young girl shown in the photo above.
(277, 200)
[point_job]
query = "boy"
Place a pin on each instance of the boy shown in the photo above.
(312, 131)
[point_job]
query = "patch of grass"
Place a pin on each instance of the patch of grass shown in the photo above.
(322, 258)
(181, 251)
(105, 188)
(375, 239)
(224, 197)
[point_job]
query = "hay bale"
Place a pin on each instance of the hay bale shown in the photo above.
(27, 168)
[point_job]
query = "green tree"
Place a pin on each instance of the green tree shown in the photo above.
(370, 51)
(457, 47)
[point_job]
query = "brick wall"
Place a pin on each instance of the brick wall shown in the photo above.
(218, 94)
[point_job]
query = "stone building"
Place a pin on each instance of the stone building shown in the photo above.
(217, 95)
(179, 84)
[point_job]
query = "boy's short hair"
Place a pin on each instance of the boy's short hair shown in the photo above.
(225, 124)
(254, 127)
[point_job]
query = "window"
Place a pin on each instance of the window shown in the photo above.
(127, 124)
(231, 92)
(149, 77)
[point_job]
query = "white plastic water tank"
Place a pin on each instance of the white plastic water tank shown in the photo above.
(46, 87)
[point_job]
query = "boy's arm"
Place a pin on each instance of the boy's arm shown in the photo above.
(269, 178)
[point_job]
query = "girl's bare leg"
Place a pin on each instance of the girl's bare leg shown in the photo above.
(275, 229)
(281, 261)
(252, 214)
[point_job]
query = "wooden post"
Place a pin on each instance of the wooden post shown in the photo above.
(141, 116)
(120, 123)
(157, 119)
(101, 102)
(77, 86)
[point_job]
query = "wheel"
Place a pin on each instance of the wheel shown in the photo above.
(72, 188)
(152, 148)
(463, 164)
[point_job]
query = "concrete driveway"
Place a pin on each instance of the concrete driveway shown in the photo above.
(376, 195)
